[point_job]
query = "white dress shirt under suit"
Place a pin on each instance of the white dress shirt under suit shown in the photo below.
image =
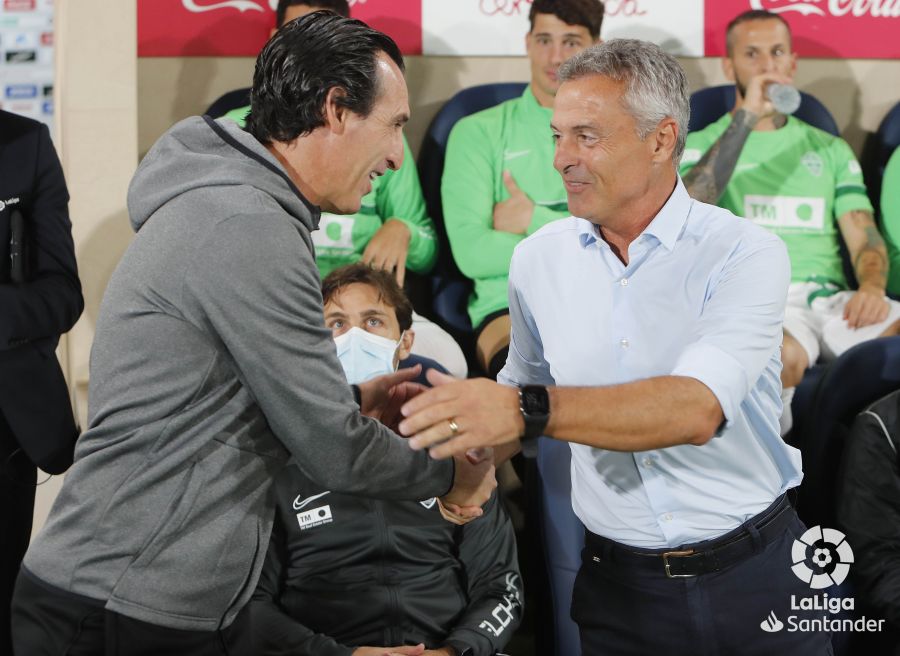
(702, 296)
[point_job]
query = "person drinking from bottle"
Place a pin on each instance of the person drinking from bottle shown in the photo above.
(804, 185)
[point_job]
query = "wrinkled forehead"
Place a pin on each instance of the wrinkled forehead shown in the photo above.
(392, 93)
(589, 98)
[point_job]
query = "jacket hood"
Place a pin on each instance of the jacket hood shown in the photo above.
(199, 153)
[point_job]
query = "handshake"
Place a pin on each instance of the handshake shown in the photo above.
(462, 419)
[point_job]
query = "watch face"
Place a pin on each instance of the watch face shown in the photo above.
(535, 400)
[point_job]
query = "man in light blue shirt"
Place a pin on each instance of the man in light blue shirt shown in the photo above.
(647, 334)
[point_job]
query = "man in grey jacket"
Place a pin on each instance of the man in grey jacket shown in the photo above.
(212, 364)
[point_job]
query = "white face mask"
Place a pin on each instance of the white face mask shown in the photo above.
(364, 355)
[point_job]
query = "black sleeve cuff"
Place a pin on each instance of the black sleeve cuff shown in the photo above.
(462, 649)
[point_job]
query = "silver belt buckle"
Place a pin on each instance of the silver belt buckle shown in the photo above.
(677, 554)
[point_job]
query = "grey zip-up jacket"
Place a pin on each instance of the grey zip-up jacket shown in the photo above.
(211, 365)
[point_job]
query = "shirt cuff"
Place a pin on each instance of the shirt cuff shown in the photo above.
(719, 371)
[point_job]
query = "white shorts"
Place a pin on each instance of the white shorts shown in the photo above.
(434, 342)
(817, 322)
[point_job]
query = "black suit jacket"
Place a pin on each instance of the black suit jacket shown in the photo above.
(34, 400)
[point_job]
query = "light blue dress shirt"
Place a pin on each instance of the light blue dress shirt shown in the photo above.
(702, 296)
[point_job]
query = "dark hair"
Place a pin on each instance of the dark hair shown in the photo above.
(302, 62)
(383, 282)
(746, 17)
(587, 13)
(340, 7)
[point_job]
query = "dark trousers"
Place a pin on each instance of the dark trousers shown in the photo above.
(52, 622)
(625, 605)
(17, 478)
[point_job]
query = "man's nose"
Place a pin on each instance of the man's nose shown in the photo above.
(557, 54)
(768, 63)
(395, 156)
(562, 155)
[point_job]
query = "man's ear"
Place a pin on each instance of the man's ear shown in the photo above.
(335, 113)
(406, 342)
(664, 139)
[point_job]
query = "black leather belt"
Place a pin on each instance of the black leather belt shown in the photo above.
(703, 557)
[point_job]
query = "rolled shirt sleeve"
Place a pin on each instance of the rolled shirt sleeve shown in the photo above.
(741, 322)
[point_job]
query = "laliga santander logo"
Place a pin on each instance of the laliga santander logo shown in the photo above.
(241, 5)
(874, 8)
(821, 557)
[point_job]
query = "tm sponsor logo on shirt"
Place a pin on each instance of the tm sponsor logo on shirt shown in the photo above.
(314, 517)
(786, 212)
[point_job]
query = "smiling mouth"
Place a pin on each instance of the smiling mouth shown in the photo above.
(574, 185)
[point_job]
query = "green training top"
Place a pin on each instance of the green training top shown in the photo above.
(341, 239)
(890, 219)
(515, 136)
(796, 181)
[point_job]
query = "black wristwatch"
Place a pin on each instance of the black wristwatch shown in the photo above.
(534, 402)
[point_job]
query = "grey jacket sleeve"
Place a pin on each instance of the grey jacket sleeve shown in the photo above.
(275, 633)
(488, 552)
(254, 285)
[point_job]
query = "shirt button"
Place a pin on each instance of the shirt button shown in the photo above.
(624, 282)
(668, 517)
(623, 343)
(647, 461)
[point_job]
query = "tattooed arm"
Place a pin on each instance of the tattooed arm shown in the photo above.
(709, 177)
(869, 256)
(752, 110)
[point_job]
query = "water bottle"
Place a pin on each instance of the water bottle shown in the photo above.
(784, 98)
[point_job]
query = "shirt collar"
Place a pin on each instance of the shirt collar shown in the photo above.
(667, 224)
(531, 104)
(665, 227)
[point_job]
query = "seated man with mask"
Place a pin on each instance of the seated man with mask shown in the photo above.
(354, 576)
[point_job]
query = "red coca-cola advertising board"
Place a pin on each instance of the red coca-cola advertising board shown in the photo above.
(821, 28)
(239, 28)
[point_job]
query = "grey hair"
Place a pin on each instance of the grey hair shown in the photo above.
(657, 87)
